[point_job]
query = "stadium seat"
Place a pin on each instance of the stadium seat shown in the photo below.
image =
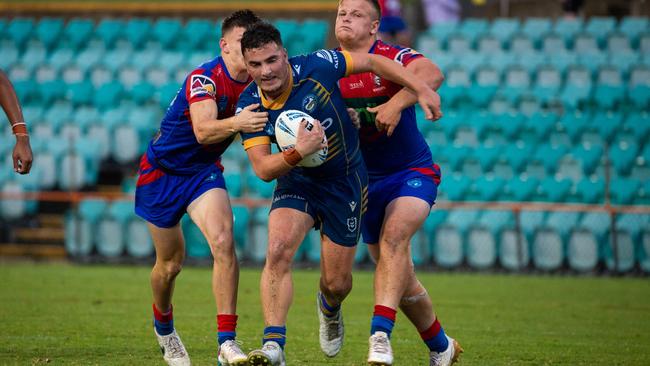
(12, 209)
(111, 236)
(137, 31)
(72, 172)
(429, 46)
(20, 30)
(591, 190)
(622, 157)
(448, 247)
(258, 243)
(517, 155)
(578, 87)
(548, 83)
(535, 28)
(234, 183)
(516, 81)
(125, 143)
(609, 90)
(314, 32)
(81, 93)
(443, 30)
(622, 258)
(549, 155)
(196, 246)
(633, 27)
(108, 96)
(49, 31)
(553, 43)
(618, 43)
(548, 250)
(52, 91)
(600, 27)
(554, 189)
(455, 187)
(589, 156)
(504, 29)
(487, 81)
(116, 59)
(643, 254)
(487, 156)
(142, 92)
(456, 84)
(167, 31)
(472, 28)
(481, 248)
(196, 31)
(421, 253)
(81, 226)
(241, 219)
(458, 45)
(639, 87)
(488, 44)
(623, 191)
(582, 250)
(568, 28)
(138, 239)
(78, 32)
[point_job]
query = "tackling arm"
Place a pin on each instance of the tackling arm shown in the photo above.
(210, 130)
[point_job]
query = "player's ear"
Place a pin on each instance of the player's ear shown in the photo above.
(224, 45)
(374, 27)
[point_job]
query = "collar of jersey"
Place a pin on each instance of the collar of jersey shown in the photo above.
(278, 103)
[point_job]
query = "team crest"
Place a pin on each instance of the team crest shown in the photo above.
(309, 103)
(414, 183)
(352, 224)
(201, 84)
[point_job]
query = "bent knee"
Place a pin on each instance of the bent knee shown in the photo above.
(170, 269)
(338, 285)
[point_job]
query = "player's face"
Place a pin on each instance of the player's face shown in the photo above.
(231, 45)
(269, 67)
(356, 21)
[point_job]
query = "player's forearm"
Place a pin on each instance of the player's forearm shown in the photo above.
(394, 72)
(271, 167)
(9, 100)
(426, 72)
(215, 130)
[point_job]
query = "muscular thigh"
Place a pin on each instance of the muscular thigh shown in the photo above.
(211, 212)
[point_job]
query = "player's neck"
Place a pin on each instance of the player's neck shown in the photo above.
(358, 45)
(236, 73)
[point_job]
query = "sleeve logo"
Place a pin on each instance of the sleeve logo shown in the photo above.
(405, 53)
(330, 56)
(201, 84)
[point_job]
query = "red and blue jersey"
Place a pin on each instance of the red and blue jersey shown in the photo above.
(406, 148)
(175, 148)
(314, 90)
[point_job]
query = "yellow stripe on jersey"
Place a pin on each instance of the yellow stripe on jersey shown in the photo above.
(255, 141)
(349, 64)
(278, 103)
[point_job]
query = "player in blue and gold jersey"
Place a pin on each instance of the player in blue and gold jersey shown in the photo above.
(330, 197)
(403, 182)
(181, 172)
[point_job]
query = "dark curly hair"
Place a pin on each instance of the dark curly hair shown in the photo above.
(241, 18)
(259, 35)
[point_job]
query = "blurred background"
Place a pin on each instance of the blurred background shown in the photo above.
(543, 147)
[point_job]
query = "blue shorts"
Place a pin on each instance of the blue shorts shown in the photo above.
(391, 25)
(162, 198)
(336, 205)
(419, 182)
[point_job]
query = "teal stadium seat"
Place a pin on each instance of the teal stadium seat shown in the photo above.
(457, 82)
(49, 31)
(585, 44)
(555, 189)
(116, 59)
(138, 239)
(108, 96)
(502, 61)
(196, 31)
(521, 44)
(553, 43)
(78, 32)
(81, 228)
(258, 243)
(516, 81)
(142, 92)
(521, 188)
(548, 250)
(81, 93)
(472, 28)
(234, 183)
(618, 42)
(600, 27)
(482, 240)
(568, 28)
(488, 44)
(639, 87)
(167, 31)
(20, 31)
(443, 30)
(241, 220)
(504, 29)
(111, 236)
(487, 156)
(110, 30)
(517, 155)
(591, 190)
(628, 230)
(535, 28)
(610, 89)
(137, 31)
(578, 87)
(633, 27)
(624, 61)
(589, 156)
(486, 83)
(315, 32)
(52, 91)
(196, 246)
(622, 157)
(623, 191)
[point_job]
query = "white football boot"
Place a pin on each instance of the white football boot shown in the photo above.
(173, 350)
(448, 357)
(230, 354)
(330, 332)
(380, 353)
(271, 354)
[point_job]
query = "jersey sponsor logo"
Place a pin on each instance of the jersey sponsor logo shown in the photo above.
(285, 196)
(403, 53)
(358, 85)
(414, 183)
(309, 103)
(352, 224)
(201, 84)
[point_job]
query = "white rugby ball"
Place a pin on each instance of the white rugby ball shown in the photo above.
(286, 132)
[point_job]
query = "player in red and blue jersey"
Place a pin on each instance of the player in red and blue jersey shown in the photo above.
(403, 182)
(330, 197)
(181, 172)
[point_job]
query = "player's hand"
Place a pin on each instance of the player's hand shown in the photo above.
(430, 102)
(354, 116)
(248, 120)
(311, 138)
(22, 155)
(387, 117)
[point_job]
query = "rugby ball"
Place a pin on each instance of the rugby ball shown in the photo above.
(286, 132)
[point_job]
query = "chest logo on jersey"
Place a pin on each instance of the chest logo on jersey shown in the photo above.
(309, 103)
(201, 84)
(357, 85)
(414, 183)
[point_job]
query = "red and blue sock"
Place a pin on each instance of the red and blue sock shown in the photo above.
(327, 309)
(276, 334)
(163, 322)
(435, 337)
(383, 320)
(226, 327)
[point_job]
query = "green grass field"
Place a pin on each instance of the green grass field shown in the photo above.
(85, 315)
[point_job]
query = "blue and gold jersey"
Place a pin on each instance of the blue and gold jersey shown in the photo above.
(314, 90)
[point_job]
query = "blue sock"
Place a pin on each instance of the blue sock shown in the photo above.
(383, 320)
(435, 337)
(327, 309)
(276, 334)
(163, 322)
